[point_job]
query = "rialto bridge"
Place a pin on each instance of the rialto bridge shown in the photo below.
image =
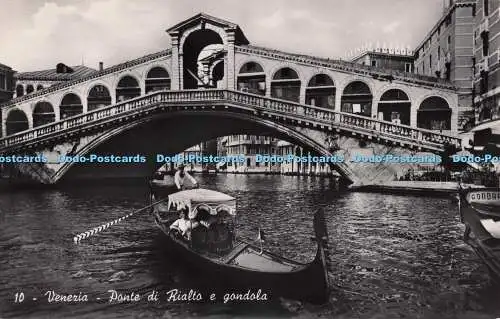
(211, 83)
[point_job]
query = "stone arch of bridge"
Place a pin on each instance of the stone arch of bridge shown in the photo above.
(357, 98)
(98, 95)
(191, 44)
(159, 132)
(16, 121)
(157, 77)
(128, 86)
(251, 77)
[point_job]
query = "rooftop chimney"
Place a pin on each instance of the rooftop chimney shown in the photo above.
(101, 66)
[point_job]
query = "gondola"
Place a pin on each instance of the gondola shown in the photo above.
(212, 247)
(480, 212)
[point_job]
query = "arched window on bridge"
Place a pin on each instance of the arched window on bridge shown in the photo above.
(127, 89)
(320, 91)
(39, 87)
(19, 90)
(71, 105)
(357, 98)
(157, 79)
(217, 74)
(286, 85)
(485, 114)
(252, 79)
(200, 50)
(43, 113)
(29, 89)
(434, 114)
(394, 106)
(17, 121)
(98, 97)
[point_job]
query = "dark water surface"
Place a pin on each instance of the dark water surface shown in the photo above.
(394, 256)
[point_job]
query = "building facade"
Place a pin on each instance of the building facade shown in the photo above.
(193, 151)
(249, 146)
(386, 58)
(6, 83)
(447, 52)
(29, 82)
(487, 57)
(285, 148)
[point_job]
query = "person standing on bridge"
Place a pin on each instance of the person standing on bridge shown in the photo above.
(181, 175)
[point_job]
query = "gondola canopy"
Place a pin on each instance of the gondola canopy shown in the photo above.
(194, 199)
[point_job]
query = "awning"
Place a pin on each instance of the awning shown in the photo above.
(194, 198)
(494, 126)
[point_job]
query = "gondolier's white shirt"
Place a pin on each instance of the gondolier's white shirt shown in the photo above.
(179, 180)
(182, 224)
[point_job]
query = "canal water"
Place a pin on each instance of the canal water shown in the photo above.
(393, 256)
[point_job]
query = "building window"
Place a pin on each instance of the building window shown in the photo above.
(447, 21)
(374, 62)
(484, 82)
(3, 82)
(486, 7)
(449, 42)
(430, 62)
(407, 67)
(485, 37)
(439, 53)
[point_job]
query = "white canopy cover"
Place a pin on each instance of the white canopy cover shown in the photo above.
(194, 198)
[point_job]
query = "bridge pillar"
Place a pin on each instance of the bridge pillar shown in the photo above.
(413, 115)
(85, 105)
(454, 120)
(142, 85)
(374, 110)
(113, 99)
(175, 63)
(302, 94)
(181, 71)
(338, 100)
(229, 65)
(29, 115)
(268, 85)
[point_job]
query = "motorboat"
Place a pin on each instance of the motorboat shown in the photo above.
(480, 212)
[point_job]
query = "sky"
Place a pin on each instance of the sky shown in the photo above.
(38, 34)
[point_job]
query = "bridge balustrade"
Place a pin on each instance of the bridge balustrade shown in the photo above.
(346, 66)
(286, 108)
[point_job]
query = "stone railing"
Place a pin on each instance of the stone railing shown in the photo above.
(346, 66)
(245, 101)
(112, 69)
(345, 120)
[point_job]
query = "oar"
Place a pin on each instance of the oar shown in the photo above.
(95, 230)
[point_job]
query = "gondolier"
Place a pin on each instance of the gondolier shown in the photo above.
(181, 175)
(216, 251)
